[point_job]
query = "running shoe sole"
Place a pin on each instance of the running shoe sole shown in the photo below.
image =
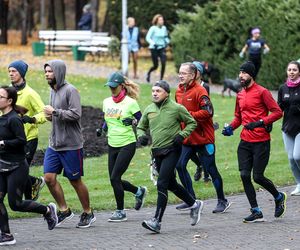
(121, 220)
(8, 243)
(86, 226)
(257, 220)
(66, 219)
(145, 225)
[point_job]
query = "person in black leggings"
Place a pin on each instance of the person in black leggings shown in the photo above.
(14, 168)
(158, 40)
(121, 113)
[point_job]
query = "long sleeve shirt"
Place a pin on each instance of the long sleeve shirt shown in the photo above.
(252, 104)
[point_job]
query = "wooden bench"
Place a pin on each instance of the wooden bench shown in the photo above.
(64, 40)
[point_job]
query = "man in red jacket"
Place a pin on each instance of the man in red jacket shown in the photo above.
(253, 105)
(195, 99)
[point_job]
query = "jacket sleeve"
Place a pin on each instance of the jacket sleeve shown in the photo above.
(38, 108)
(272, 106)
(143, 124)
(167, 39)
(205, 109)
(188, 120)
(237, 120)
(73, 112)
(149, 37)
(17, 127)
(279, 98)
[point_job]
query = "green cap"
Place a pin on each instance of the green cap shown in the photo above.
(115, 79)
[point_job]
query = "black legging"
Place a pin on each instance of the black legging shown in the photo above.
(167, 181)
(30, 149)
(118, 162)
(255, 156)
(155, 54)
(256, 59)
(13, 184)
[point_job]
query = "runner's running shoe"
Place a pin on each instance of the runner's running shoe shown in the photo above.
(7, 239)
(118, 216)
(196, 213)
(280, 205)
(86, 220)
(51, 216)
(64, 216)
(139, 200)
(37, 187)
(255, 216)
(152, 224)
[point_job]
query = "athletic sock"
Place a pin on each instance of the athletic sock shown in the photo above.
(194, 205)
(279, 197)
(139, 192)
(256, 209)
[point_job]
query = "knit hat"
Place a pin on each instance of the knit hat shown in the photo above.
(20, 66)
(199, 67)
(115, 79)
(249, 68)
(163, 84)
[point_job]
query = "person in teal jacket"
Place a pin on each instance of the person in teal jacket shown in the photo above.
(158, 40)
(163, 117)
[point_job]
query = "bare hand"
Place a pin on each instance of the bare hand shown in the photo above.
(48, 110)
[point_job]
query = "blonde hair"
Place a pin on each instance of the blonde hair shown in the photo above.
(155, 19)
(132, 89)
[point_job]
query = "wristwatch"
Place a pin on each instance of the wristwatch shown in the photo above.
(54, 113)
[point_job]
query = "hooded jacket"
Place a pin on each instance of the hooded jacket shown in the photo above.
(66, 119)
(195, 99)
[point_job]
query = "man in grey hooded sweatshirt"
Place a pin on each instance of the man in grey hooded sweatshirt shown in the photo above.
(65, 143)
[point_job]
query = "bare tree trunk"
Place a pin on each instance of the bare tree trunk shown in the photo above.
(43, 16)
(59, 7)
(51, 17)
(30, 21)
(3, 21)
(24, 14)
(95, 7)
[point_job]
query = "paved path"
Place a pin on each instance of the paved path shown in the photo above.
(215, 231)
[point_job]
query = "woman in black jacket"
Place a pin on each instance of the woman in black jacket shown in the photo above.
(14, 169)
(289, 102)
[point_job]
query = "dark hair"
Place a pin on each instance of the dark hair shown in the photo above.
(11, 94)
(296, 63)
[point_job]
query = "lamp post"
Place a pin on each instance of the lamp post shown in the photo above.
(124, 42)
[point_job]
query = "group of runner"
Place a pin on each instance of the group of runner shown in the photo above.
(180, 130)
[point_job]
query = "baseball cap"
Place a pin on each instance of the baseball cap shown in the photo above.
(115, 80)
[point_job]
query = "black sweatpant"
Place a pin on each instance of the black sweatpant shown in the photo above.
(30, 149)
(118, 162)
(155, 54)
(13, 183)
(254, 156)
(167, 181)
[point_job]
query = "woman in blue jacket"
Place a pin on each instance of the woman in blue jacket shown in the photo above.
(158, 40)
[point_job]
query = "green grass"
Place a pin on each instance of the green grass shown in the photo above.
(96, 175)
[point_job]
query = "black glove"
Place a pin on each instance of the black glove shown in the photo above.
(227, 131)
(143, 140)
(99, 132)
(294, 109)
(178, 140)
(128, 121)
(253, 125)
(28, 119)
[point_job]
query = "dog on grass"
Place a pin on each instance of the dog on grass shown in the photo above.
(232, 85)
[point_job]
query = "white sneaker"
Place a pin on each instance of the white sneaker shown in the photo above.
(296, 191)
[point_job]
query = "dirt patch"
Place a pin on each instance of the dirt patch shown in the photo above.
(93, 145)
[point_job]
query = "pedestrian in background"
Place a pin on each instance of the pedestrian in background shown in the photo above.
(85, 22)
(158, 40)
(289, 102)
(255, 46)
(134, 43)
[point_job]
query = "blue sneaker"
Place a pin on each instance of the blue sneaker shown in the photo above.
(153, 225)
(118, 216)
(280, 205)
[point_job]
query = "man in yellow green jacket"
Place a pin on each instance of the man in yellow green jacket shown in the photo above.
(31, 107)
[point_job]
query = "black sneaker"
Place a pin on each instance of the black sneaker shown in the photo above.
(37, 187)
(86, 220)
(198, 174)
(64, 216)
(7, 239)
(206, 179)
(196, 213)
(139, 200)
(51, 217)
(222, 206)
(255, 216)
(183, 207)
(152, 224)
(280, 206)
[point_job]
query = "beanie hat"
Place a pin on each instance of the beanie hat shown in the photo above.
(115, 79)
(163, 84)
(249, 68)
(199, 67)
(20, 66)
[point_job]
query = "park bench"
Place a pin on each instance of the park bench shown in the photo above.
(65, 40)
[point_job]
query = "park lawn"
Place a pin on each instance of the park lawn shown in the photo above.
(96, 175)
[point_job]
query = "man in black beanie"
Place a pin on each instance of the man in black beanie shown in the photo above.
(255, 110)
(31, 108)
